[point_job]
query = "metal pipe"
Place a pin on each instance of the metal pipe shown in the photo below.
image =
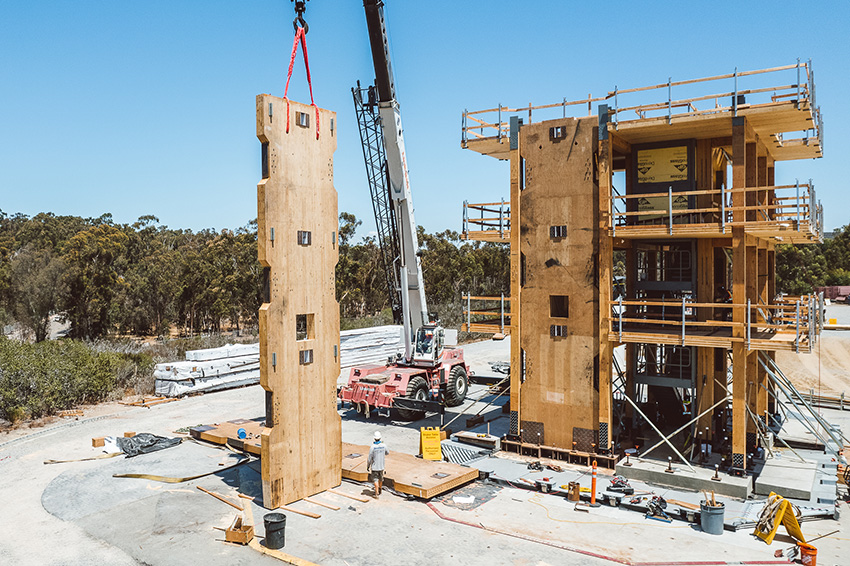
(686, 425)
(723, 206)
(663, 438)
(758, 429)
(683, 320)
(468, 313)
(775, 377)
(501, 217)
(669, 101)
(749, 328)
(500, 123)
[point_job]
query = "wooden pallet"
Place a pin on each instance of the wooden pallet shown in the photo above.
(409, 474)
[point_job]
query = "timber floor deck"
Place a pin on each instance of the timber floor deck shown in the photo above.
(708, 337)
(410, 475)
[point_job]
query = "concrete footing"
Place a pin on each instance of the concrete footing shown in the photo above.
(653, 471)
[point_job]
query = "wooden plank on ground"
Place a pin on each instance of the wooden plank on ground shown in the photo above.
(321, 504)
(298, 512)
(349, 496)
(282, 556)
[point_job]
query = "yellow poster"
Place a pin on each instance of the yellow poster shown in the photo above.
(663, 164)
(659, 204)
(429, 443)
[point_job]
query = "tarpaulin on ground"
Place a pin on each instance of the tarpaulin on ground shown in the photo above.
(144, 443)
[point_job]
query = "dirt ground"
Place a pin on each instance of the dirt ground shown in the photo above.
(828, 367)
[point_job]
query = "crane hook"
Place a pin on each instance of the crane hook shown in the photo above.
(300, 8)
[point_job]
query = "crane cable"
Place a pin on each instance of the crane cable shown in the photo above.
(300, 36)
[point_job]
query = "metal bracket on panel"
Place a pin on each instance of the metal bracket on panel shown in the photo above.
(516, 124)
(603, 121)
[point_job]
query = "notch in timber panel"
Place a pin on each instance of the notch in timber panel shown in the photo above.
(559, 306)
(265, 159)
(557, 133)
(558, 232)
(305, 357)
(305, 327)
(302, 119)
(267, 292)
(305, 237)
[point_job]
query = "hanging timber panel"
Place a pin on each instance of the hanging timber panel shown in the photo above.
(560, 389)
(299, 319)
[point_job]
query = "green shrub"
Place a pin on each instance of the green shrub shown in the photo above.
(40, 379)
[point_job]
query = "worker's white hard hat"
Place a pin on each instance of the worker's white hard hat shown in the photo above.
(377, 435)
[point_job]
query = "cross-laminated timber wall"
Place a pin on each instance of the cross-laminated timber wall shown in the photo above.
(555, 250)
(299, 318)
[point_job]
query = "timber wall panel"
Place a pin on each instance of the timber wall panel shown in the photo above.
(560, 389)
(301, 445)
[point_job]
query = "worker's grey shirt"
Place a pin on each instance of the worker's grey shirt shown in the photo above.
(376, 457)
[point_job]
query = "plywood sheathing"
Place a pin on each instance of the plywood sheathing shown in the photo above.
(558, 391)
(301, 443)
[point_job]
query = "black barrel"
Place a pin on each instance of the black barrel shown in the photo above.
(275, 524)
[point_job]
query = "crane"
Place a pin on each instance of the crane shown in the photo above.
(429, 373)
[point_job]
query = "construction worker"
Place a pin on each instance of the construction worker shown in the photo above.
(375, 462)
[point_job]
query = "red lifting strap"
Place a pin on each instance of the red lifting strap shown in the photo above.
(300, 35)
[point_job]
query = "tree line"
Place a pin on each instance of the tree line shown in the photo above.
(106, 279)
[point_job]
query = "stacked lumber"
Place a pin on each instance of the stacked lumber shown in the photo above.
(233, 365)
(236, 365)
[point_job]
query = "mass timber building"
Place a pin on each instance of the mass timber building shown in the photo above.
(678, 180)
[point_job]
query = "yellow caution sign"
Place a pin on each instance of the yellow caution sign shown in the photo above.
(429, 443)
(778, 511)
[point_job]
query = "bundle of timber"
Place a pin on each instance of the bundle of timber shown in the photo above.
(232, 365)
(369, 345)
(235, 365)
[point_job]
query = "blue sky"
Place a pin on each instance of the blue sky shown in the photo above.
(135, 108)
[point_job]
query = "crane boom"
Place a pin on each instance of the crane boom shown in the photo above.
(414, 305)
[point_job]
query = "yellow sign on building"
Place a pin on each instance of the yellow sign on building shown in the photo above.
(662, 164)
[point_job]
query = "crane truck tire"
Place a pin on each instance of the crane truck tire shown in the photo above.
(417, 389)
(457, 386)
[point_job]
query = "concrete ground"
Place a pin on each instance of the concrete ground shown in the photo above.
(77, 513)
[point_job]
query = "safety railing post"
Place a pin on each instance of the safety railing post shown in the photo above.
(466, 217)
(749, 327)
(723, 206)
(797, 100)
(670, 208)
(683, 320)
(468, 313)
(500, 123)
(620, 323)
(797, 187)
(463, 137)
(611, 214)
(797, 331)
(669, 100)
(501, 218)
(502, 316)
(735, 95)
(616, 110)
(812, 200)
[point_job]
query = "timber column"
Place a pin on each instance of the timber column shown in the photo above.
(604, 279)
(299, 319)
(739, 294)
